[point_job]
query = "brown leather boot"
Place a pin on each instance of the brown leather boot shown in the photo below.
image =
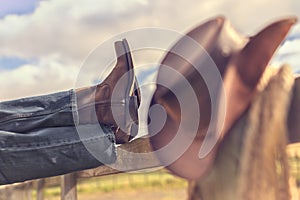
(115, 101)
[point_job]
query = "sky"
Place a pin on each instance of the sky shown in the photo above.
(43, 43)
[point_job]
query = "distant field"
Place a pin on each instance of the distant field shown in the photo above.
(155, 185)
(293, 152)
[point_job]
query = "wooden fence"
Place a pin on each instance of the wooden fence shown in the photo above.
(68, 182)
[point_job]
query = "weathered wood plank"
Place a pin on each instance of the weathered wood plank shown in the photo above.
(68, 187)
(40, 189)
(141, 157)
(18, 191)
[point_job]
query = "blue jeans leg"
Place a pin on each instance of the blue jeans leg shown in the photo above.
(39, 138)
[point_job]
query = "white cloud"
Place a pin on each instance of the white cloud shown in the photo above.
(295, 33)
(289, 52)
(74, 28)
(37, 79)
(147, 89)
(61, 33)
(69, 28)
(252, 15)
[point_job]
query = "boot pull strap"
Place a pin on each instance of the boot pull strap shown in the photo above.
(136, 90)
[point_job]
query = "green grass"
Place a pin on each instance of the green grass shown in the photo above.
(294, 161)
(122, 182)
(131, 181)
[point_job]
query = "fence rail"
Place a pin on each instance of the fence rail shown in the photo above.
(68, 182)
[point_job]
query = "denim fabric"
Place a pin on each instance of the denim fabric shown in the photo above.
(38, 138)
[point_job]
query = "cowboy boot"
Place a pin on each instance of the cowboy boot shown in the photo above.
(115, 101)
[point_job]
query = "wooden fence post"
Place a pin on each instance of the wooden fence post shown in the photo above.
(40, 189)
(68, 187)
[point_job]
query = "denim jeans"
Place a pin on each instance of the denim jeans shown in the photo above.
(39, 138)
